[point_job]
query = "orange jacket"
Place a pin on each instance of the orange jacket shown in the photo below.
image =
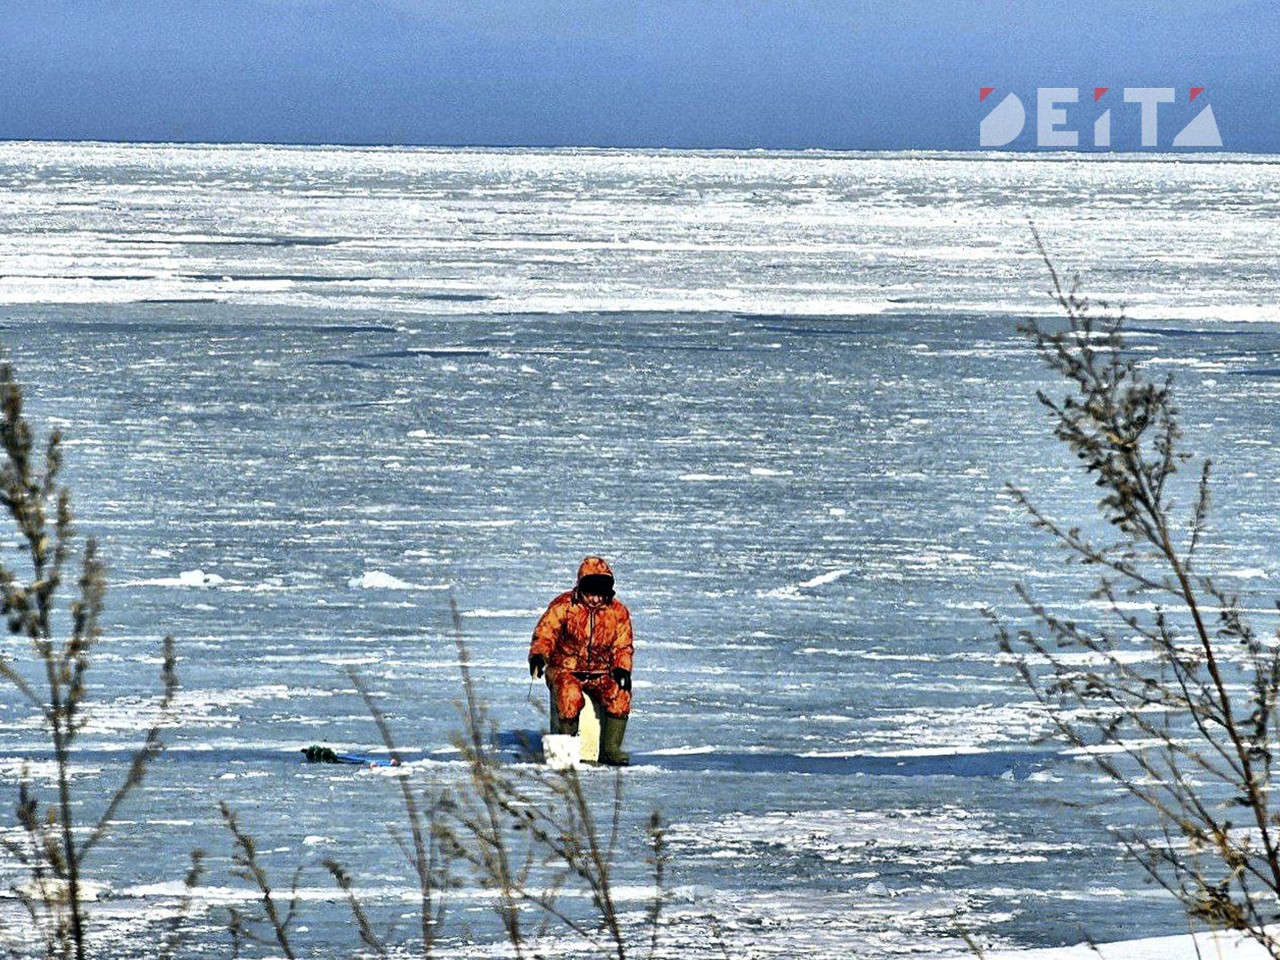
(577, 637)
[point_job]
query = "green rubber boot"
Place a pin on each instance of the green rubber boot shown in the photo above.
(612, 730)
(568, 728)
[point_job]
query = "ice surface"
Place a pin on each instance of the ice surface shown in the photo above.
(313, 393)
(1202, 945)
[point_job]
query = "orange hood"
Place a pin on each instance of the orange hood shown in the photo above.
(594, 567)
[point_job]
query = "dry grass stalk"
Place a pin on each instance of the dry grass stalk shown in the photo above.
(1191, 730)
(422, 850)
(175, 934)
(247, 867)
(55, 846)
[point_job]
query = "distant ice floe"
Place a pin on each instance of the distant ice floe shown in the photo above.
(53, 890)
(759, 472)
(833, 227)
(187, 578)
(1246, 573)
(40, 771)
(793, 591)
(380, 580)
(831, 576)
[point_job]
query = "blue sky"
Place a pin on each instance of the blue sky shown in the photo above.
(678, 73)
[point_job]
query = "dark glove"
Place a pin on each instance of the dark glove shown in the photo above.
(622, 678)
(537, 665)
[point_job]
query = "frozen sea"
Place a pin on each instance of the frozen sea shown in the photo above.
(311, 394)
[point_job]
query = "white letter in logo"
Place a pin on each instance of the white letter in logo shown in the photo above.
(1002, 124)
(1049, 115)
(1102, 130)
(1150, 98)
(1200, 132)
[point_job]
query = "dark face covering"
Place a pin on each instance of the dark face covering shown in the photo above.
(596, 588)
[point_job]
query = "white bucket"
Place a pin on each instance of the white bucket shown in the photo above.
(588, 733)
(561, 752)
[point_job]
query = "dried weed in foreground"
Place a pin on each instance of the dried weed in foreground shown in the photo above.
(1190, 729)
(53, 845)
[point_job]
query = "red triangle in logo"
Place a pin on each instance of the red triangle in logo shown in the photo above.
(984, 92)
(1196, 91)
(1098, 92)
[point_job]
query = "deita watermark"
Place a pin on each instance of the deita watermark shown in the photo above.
(1141, 106)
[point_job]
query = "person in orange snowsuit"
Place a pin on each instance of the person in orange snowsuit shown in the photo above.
(583, 645)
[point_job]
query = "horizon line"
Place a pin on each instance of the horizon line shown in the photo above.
(1195, 154)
